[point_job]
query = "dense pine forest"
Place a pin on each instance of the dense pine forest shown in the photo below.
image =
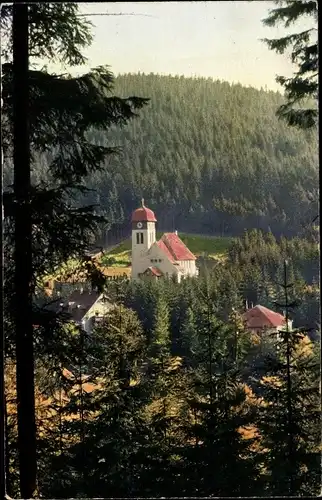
(170, 395)
(209, 157)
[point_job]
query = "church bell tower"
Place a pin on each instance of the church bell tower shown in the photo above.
(143, 236)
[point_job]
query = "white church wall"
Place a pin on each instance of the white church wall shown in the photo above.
(189, 267)
(151, 233)
(155, 257)
(155, 253)
(139, 265)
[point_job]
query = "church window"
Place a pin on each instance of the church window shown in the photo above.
(139, 238)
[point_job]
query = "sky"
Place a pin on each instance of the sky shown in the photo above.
(219, 39)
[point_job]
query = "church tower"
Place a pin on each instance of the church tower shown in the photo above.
(143, 236)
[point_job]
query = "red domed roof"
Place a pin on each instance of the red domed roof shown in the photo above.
(143, 214)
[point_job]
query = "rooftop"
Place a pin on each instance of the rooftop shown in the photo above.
(262, 317)
(175, 248)
(143, 214)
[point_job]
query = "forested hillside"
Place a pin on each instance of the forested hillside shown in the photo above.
(208, 157)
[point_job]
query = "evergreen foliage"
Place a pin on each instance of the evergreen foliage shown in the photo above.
(301, 90)
(169, 395)
(61, 111)
(201, 415)
(291, 408)
(196, 174)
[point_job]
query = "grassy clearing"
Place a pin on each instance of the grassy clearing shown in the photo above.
(116, 258)
(212, 246)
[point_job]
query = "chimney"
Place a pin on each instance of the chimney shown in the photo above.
(176, 232)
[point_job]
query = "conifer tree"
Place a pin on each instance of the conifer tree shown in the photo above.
(290, 411)
(61, 111)
(167, 392)
(160, 345)
(301, 90)
(102, 455)
(189, 340)
(218, 458)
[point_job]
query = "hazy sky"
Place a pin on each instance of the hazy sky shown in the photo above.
(216, 39)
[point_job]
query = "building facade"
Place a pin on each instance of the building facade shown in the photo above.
(167, 258)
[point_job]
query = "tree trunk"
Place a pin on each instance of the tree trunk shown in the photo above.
(2, 336)
(23, 257)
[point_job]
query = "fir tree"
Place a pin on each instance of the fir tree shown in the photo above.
(160, 345)
(218, 458)
(101, 450)
(167, 389)
(289, 416)
(188, 334)
(61, 111)
(301, 90)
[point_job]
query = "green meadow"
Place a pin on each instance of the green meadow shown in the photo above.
(201, 245)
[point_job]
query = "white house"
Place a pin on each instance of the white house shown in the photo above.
(166, 258)
(84, 307)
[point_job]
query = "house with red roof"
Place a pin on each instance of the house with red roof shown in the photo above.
(260, 319)
(167, 258)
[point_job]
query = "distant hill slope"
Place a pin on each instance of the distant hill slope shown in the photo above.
(208, 157)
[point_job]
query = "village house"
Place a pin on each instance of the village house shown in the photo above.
(84, 307)
(167, 258)
(260, 319)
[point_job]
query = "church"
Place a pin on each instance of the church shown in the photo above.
(167, 258)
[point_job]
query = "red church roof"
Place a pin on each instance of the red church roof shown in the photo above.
(165, 250)
(143, 214)
(174, 247)
(261, 317)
